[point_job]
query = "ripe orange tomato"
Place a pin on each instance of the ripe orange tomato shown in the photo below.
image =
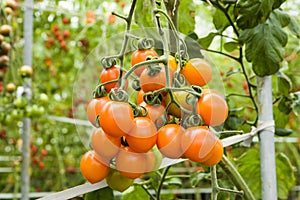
(197, 72)
(212, 108)
(169, 140)
(154, 111)
(94, 108)
(110, 74)
(141, 55)
(200, 145)
(105, 145)
(142, 137)
(140, 96)
(116, 118)
(152, 83)
(92, 169)
(129, 163)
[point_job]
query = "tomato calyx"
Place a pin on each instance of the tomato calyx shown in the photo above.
(145, 43)
(140, 111)
(152, 98)
(100, 91)
(118, 94)
(192, 120)
(108, 62)
(153, 69)
(136, 85)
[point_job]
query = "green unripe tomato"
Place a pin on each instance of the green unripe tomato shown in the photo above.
(20, 102)
(118, 182)
(43, 99)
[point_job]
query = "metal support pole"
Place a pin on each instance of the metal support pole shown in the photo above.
(267, 145)
(27, 56)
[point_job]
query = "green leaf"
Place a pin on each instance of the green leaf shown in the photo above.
(264, 47)
(282, 18)
(285, 105)
(249, 168)
(294, 27)
(186, 17)
(231, 46)
(207, 40)
(193, 48)
(220, 21)
(283, 131)
(145, 8)
(248, 13)
(284, 84)
(103, 193)
(285, 175)
(135, 193)
(277, 3)
(233, 122)
(280, 118)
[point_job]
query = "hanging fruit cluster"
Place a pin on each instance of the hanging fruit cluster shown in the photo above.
(169, 117)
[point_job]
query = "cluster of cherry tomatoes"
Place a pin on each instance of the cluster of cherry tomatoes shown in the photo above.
(169, 115)
(59, 35)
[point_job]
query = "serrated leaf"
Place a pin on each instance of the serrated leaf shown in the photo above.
(231, 46)
(103, 193)
(186, 18)
(249, 168)
(248, 13)
(207, 40)
(264, 47)
(135, 193)
(294, 27)
(282, 18)
(220, 21)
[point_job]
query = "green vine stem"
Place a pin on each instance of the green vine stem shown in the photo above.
(236, 178)
(217, 5)
(162, 179)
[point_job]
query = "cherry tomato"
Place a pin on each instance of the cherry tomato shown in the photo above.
(141, 55)
(105, 145)
(212, 107)
(142, 137)
(116, 118)
(169, 140)
(129, 163)
(26, 71)
(92, 169)
(94, 108)
(200, 145)
(154, 111)
(110, 74)
(140, 96)
(197, 72)
(117, 181)
(151, 83)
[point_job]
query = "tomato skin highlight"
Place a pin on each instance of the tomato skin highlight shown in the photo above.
(94, 108)
(92, 169)
(130, 164)
(212, 107)
(117, 118)
(141, 55)
(200, 145)
(105, 145)
(169, 140)
(142, 136)
(197, 72)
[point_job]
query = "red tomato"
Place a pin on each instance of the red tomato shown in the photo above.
(140, 96)
(142, 137)
(141, 55)
(212, 107)
(116, 118)
(200, 145)
(169, 140)
(105, 145)
(94, 108)
(110, 74)
(130, 164)
(92, 169)
(154, 112)
(197, 72)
